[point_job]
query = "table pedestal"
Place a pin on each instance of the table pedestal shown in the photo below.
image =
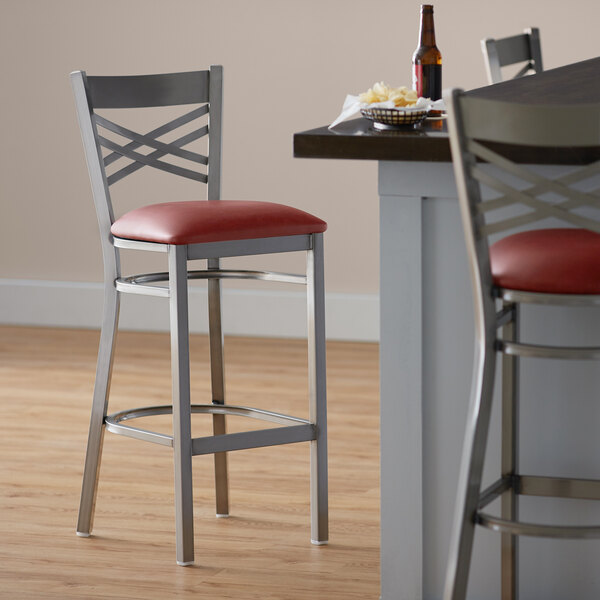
(427, 341)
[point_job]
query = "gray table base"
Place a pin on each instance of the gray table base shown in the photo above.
(426, 364)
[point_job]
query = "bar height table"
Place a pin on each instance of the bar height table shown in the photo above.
(426, 344)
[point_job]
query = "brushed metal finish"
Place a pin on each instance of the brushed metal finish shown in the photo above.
(315, 292)
(510, 527)
(182, 428)
(93, 455)
(217, 370)
(510, 456)
(548, 299)
(493, 491)
(559, 487)
(290, 243)
(243, 440)
(209, 409)
(535, 350)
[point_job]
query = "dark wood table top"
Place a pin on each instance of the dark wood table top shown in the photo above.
(357, 139)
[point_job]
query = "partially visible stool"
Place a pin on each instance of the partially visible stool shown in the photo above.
(552, 266)
(522, 48)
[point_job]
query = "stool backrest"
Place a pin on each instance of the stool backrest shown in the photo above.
(106, 142)
(523, 48)
(484, 137)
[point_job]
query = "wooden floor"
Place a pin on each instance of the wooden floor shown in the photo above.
(262, 551)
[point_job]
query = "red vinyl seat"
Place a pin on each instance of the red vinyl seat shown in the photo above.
(196, 222)
(553, 261)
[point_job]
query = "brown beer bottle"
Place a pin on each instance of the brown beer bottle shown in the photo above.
(427, 59)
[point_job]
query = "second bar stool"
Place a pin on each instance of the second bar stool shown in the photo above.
(522, 48)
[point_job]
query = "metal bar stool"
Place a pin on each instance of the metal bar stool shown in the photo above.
(522, 48)
(208, 229)
(548, 266)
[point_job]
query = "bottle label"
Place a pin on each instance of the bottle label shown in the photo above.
(427, 81)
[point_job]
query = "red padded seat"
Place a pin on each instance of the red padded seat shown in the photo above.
(196, 222)
(554, 261)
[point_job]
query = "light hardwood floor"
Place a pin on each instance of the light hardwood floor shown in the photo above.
(262, 551)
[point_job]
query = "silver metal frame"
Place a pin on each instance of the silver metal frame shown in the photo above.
(468, 120)
(522, 48)
(204, 88)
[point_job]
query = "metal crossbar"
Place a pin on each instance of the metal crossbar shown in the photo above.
(151, 162)
(540, 209)
(568, 179)
(166, 128)
(161, 149)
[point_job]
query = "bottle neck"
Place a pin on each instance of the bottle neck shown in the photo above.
(427, 29)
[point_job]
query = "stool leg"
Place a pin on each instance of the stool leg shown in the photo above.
(182, 434)
(317, 392)
(217, 370)
(469, 482)
(93, 455)
(510, 466)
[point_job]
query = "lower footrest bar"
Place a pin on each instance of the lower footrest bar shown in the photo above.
(295, 429)
(536, 530)
(253, 439)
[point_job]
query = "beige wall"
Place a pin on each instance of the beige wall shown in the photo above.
(288, 66)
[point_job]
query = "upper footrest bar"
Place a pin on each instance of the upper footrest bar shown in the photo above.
(548, 299)
(537, 351)
(559, 487)
(139, 284)
(245, 274)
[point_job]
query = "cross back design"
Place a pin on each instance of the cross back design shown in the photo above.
(160, 149)
(529, 197)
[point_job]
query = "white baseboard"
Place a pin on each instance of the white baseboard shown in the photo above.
(264, 313)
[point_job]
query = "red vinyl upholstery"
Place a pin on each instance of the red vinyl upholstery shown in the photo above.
(555, 261)
(201, 221)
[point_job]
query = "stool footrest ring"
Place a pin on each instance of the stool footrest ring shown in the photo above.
(294, 429)
(535, 530)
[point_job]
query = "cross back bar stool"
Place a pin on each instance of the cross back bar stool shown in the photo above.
(522, 48)
(208, 229)
(543, 266)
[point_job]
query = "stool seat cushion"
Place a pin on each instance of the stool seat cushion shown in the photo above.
(553, 261)
(196, 222)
